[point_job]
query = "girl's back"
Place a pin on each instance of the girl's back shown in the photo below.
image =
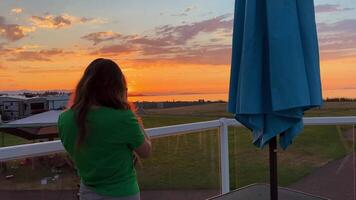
(101, 134)
(104, 160)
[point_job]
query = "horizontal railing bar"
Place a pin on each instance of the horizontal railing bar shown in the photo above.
(30, 150)
(349, 120)
(43, 148)
(32, 125)
(165, 129)
(310, 121)
(183, 128)
(329, 120)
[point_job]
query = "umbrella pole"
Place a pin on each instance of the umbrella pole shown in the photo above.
(273, 168)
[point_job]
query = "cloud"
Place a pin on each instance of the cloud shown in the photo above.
(216, 40)
(51, 52)
(118, 49)
(179, 15)
(206, 55)
(334, 42)
(50, 21)
(3, 50)
(202, 54)
(168, 35)
(99, 37)
(29, 56)
(145, 40)
(30, 46)
(335, 54)
(343, 26)
(16, 10)
(42, 55)
(13, 32)
(61, 21)
(185, 12)
(326, 8)
(170, 43)
(338, 39)
(181, 34)
(89, 20)
(190, 8)
(160, 51)
(41, 70)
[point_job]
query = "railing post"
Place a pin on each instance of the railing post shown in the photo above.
(224, 157)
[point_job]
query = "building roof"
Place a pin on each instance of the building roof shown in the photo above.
(14, 97)
(37, 126)
(42, 119)
(49, 98)
(58, 98)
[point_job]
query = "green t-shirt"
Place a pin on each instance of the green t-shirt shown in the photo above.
(105, 159)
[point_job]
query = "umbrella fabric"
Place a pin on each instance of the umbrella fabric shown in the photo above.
(275, 72)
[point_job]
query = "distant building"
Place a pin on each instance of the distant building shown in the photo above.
(160, 105)
(139, 109)
(57, 102)
(13, 107)
(17, 107)
(36, 105)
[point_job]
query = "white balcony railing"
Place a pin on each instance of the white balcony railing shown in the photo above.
(44, 148)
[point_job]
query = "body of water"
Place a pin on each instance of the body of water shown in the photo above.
(348, 93)
(182, 97)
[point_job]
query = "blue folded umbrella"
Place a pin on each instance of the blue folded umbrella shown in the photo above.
(275, 72)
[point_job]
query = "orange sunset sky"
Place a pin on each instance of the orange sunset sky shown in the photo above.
(164, 47)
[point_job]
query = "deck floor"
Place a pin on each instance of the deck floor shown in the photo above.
(262, 192)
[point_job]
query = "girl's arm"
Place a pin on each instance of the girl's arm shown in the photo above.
(144, 150)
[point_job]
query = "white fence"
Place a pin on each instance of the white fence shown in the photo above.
(44, 148)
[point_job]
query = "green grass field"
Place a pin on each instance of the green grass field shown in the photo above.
(194, 159)
(191, 161)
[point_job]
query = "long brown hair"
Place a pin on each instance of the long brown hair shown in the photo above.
(102, 84)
